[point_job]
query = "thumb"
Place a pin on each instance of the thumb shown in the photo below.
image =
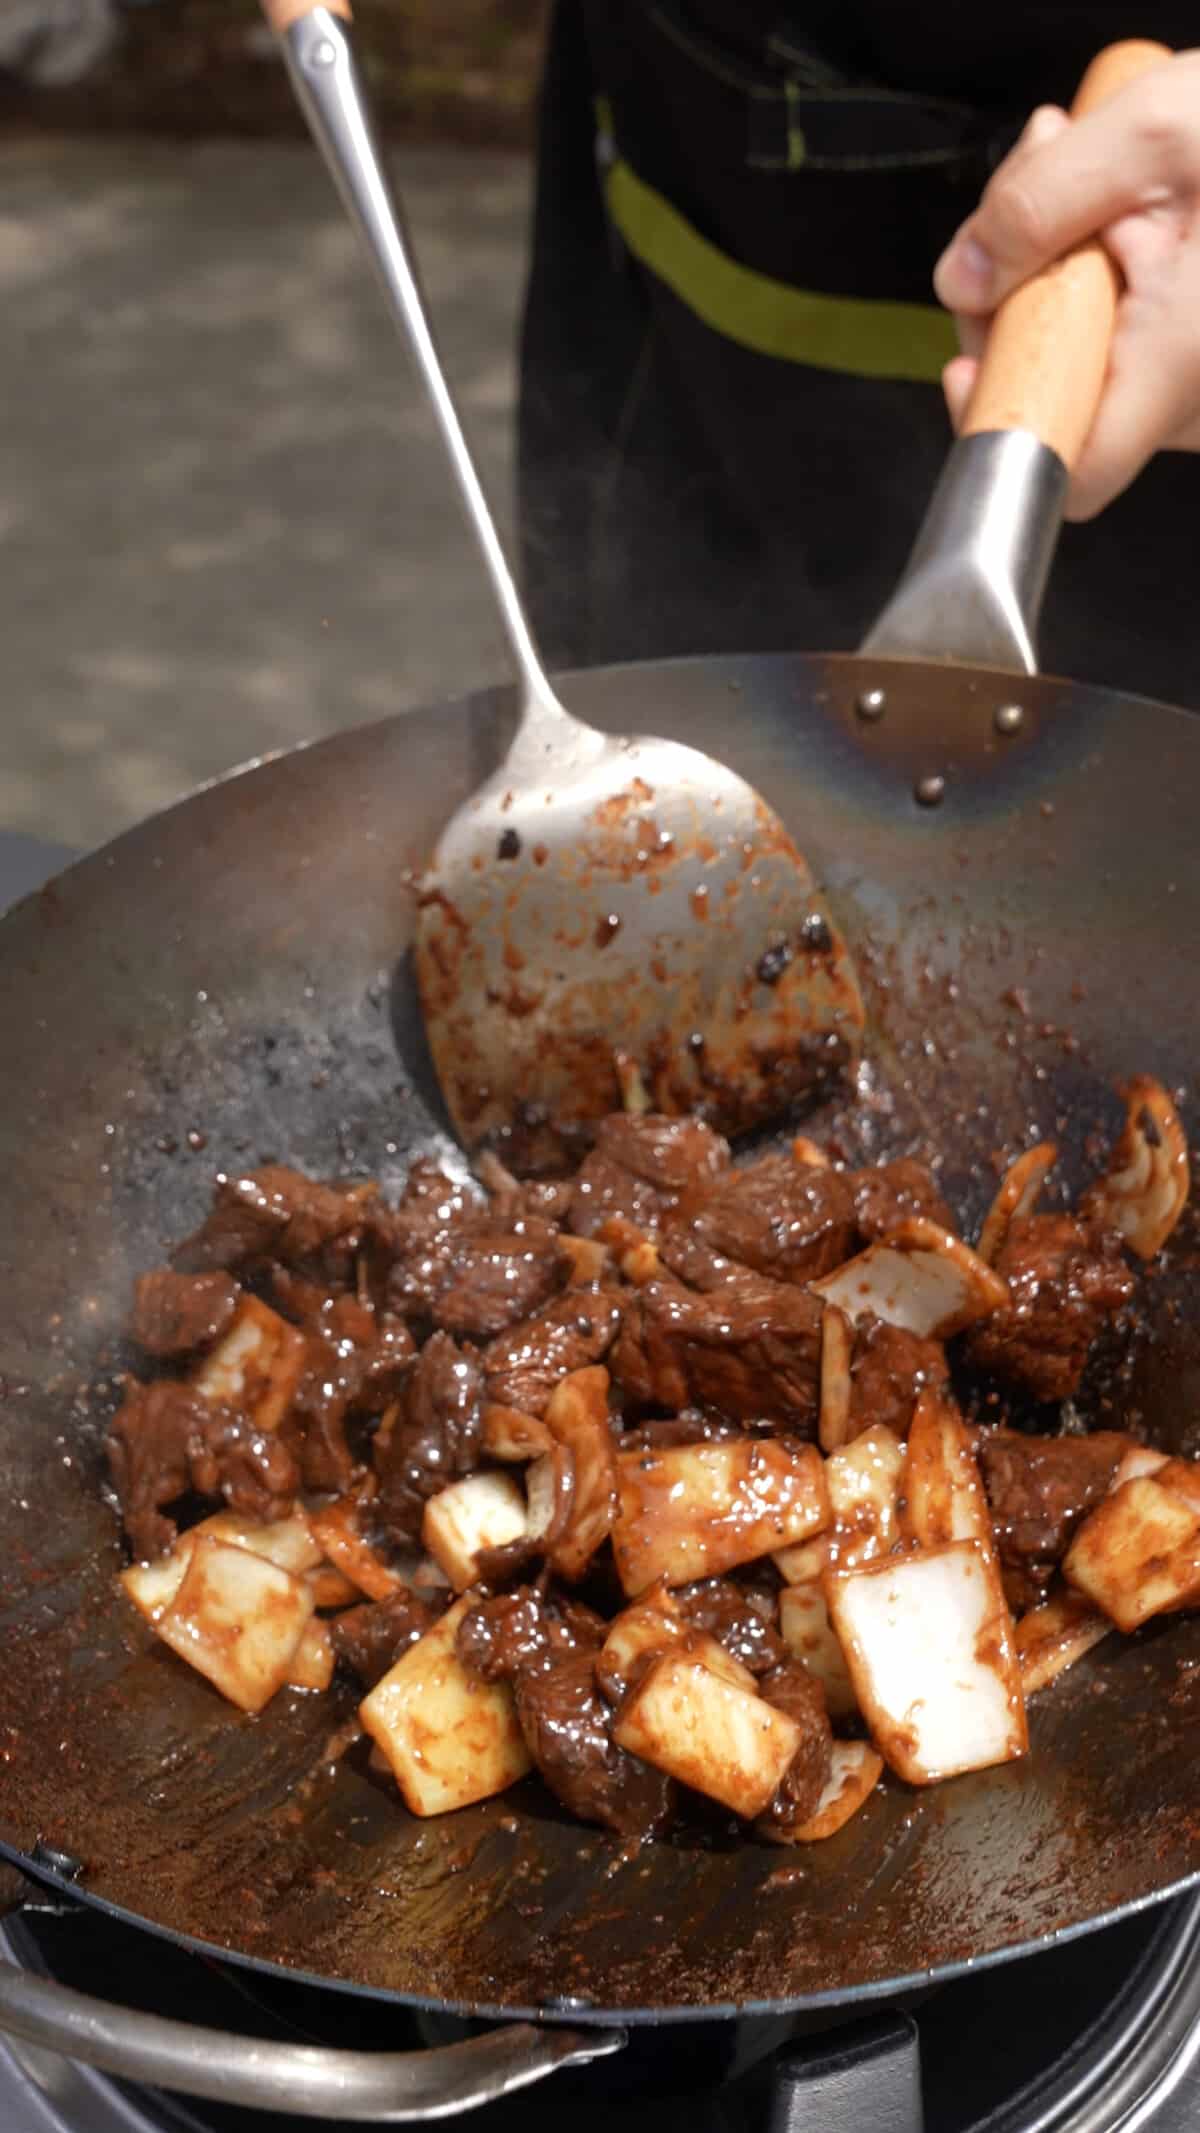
(958, 383)
(980, 261)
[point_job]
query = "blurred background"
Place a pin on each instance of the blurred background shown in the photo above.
(224, 524)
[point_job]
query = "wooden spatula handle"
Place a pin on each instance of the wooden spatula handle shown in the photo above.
(1047, 351)
(282, 13)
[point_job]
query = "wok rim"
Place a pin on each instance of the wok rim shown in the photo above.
(578, 2013)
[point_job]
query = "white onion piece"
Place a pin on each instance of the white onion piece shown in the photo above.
(313, 1659)
(864, 1480)
(1053, 1636)
(854, 1771)
(808, 1632)
(1017, 1196)
(696, 1510)
(942, 1493)
(237, 1619)
(1137, 1554)
(1145, 1189)
(929, 1644)
(577, 1417)
(256, 1366)
(922, 1278)
(656, 1624)
(449, 1738)
(1135, 1464)
(485, 1510)
(721, 1740)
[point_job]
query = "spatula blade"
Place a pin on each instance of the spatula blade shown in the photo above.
(648, 906)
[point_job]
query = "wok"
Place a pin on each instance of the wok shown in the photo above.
(234, 971)
(1012, 860)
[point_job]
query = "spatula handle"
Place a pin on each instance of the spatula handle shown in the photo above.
(315, 38)
(1047, 351)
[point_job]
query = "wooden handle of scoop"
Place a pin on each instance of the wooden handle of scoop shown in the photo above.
(1047, 350)
(282, 13)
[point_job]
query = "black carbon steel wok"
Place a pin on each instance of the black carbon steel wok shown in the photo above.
(234, 971)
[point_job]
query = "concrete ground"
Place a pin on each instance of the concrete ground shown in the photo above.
(224, 522)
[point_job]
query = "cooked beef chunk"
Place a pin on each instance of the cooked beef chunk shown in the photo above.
(1025, 1585)
(693, 1260)
(751, 1349)
(524, 1365)
(730, 1615)
(777, 1217)
(691, 1427)
(276, 1213)
(255, 1474)
(1040, 1489)
(167, 1440)
(372, 1637)
(888, 1368)
(510, 1199)
(174, 1314)
(1066, 1284)
(357, 1360)
(792, 1688)
(435, 1437)
(546, 1646)
(891, 1193)
(524, 1631)
(430, 1204)
(638, 1168)
(432, 1211)
(497, 1275)
(547, 1198)
(314, 1428)
(566, 1724)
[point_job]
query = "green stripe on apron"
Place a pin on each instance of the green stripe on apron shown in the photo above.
(860, 337)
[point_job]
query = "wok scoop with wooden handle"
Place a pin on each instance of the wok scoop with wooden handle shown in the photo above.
(602, 909)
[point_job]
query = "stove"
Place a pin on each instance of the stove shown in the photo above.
(1098, 2034)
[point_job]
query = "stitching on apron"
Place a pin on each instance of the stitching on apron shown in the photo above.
(794, 155)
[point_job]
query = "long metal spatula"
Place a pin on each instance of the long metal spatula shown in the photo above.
(603, 909)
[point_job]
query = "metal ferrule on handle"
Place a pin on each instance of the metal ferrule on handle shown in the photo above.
(305, 2080)
(330, 91)
(974, 583)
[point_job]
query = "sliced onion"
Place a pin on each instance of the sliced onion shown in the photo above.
(1145, 1188)
(922, 1278)
(1019, 1189)
(835, 1428)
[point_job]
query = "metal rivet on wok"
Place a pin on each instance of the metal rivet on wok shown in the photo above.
(871, 704)
(322, 54)
(930, 791)
(64, 1864)
(1009, 718)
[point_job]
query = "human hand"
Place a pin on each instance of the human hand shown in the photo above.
(1127, 172)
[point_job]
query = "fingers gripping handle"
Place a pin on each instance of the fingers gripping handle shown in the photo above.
(281, 14)
(1046, 358)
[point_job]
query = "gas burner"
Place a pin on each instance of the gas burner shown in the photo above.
(1077, 2039)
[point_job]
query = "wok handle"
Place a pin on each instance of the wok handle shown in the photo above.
(305, 2080)
(972, 588)
(1046, 357)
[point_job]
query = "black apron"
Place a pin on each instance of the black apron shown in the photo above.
(730, 420)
